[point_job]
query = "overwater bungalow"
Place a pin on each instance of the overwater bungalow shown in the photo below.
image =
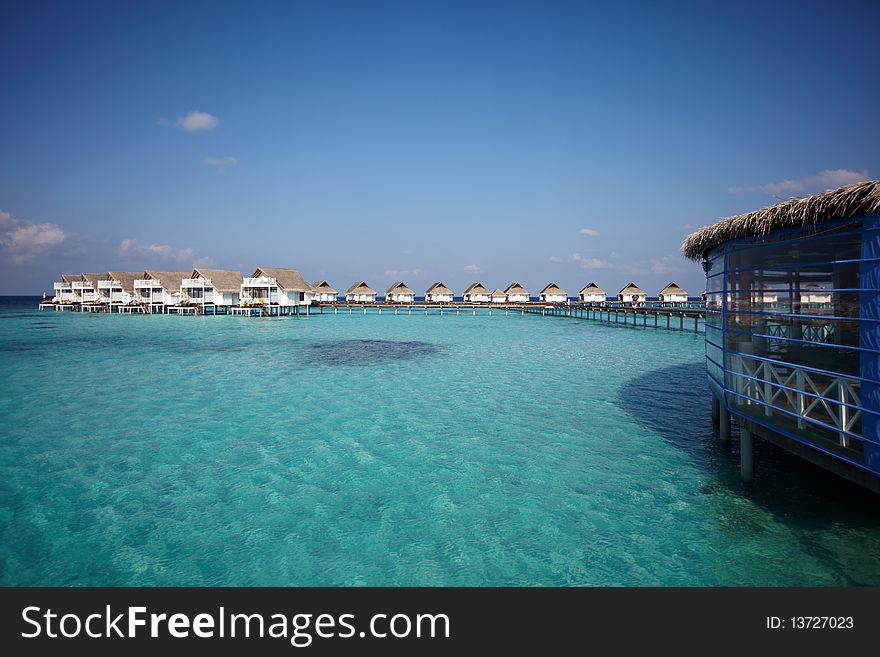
(632, 293)
(439, 293)
(673, 294)
(516, 293)
(814, 294)
(275, 289)
(324, 292)
(117, 289)
(552, 293)
(399, 293)
(360, 292)
(498, 296)
(592, 293)
(477, 293)
(64, 290)
(91, 297)
(806, 381)
(158, 289)
(212, 288)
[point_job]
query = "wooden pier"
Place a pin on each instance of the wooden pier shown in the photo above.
(692, 319)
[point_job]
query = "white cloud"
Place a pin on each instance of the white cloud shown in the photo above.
(475, 269)
(589, 263)
(818, 182)
(220, 163)
(401, 273)
(161, 251)
(591, 232)
(22, 240)
(198, 121)
(666, 265)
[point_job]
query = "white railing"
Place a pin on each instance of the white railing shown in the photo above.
(800, 392)
(61, 286)
(196, 282)
(144, 282)
(259, 281)
(82, 285)
(90, 297)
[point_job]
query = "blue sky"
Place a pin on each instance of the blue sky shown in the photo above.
(453, 141)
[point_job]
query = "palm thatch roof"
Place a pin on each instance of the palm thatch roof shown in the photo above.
(399, 288)
(323, 287)
(360, 287)
(438, 288)
(553, 288)
(477, 288)
(94, 278)
(632, 288)
(849, 201)
(70, 278)
(499, 293)
(592, 288)
(673, 288)
(223, 280)
(289, 280)
(125, 279)
(516, 288)
(169, 280)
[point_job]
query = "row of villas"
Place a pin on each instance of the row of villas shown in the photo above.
(285, 290)
(361, 292)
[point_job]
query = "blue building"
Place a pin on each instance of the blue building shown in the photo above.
(793, 328)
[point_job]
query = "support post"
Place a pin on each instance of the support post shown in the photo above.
(746, 456)
(716, 410)
(724, 426)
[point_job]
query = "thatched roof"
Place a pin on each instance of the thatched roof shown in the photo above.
(592, 288)
(632, 288)
(223, 280)
(553, 288)
(399, 288)
(323, 287)
(438, 288)
(169, 280)
(477, 288)
(360, 287)
(289, 280)
(94, 278)
(125, 279)
(516, 288)
(499, 293)
(70, 278)
(849, 201)
(673, 288)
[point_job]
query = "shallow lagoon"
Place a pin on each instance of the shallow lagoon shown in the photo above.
(392, 450)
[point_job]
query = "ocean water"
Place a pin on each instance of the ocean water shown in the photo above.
(392, 450)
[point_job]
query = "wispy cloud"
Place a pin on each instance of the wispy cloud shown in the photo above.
(198, 122)
(667, 265)
(590, 232)
(589, 263)
(401, 273)
(818, 182)
(220, 163)
(474, 269)
(23, 240)
(163, 252)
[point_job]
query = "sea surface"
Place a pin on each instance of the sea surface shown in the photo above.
(392, 450)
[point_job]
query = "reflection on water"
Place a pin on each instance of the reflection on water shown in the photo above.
(368, 352)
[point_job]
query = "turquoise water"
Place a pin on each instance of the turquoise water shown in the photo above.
(385, 450)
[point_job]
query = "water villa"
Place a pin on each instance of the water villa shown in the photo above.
(399, 293)
(65, 294)
(210, 290)
(815, 294)
(117, 289)
(806, 381)
(275, 291)
(439, 293)
(552, 293)
(498, 296)
(632, 293)
(324, 292)
(673, 294)
(592, 293)
(360, 292)
(477, 293)
(516, 293)
(158, 290)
